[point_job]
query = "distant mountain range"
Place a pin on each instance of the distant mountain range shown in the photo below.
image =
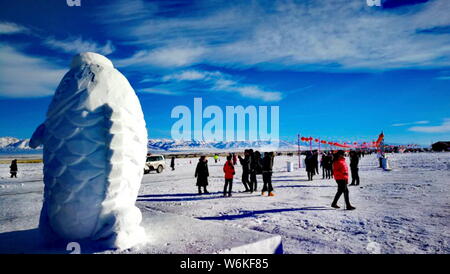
(15, 145)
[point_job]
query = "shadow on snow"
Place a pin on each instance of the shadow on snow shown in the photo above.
(249, 214)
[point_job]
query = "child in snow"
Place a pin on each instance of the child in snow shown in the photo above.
(228, 169)
(13, 168)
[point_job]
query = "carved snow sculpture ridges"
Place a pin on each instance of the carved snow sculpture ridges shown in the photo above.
(95, 145)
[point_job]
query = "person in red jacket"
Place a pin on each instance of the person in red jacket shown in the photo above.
(340, 171)
(228, 169)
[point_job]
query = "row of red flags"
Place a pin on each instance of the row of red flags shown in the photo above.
(373, 144)
(342, 145)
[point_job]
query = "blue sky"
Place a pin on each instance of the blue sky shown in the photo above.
(337, 69)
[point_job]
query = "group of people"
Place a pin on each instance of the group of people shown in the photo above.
(326, 163)
(253, 163)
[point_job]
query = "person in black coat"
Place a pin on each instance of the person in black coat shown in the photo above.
(354, 161)
(323, 165)
(255, 169)
(172, 163)
(310, 166)
(267, 165)
(202, 173)
(328, 163)
(316, 162)
(13, 168)
(245, 163)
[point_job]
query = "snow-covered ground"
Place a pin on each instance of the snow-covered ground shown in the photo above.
(406, 210)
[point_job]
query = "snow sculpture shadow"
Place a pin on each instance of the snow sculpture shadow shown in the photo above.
(252, 213)
(95, 145)
(31, 242)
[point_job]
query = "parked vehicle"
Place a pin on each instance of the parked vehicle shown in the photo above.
(155, 163)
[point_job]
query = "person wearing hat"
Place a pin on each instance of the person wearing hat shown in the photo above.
(340, 170)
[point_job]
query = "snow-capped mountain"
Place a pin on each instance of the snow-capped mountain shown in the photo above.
(192, 145)
(11, 144)
(14, 144)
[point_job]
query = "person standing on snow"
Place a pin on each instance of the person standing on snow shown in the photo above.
(13, 168)
(354, 161)
(309, 163)
(202, 173)
(316, 162)
(234, 159)
(172, 163)
(228, 169)
(322, 165)
(267, 165)
(340, 171)
(245, 162)
(255, 169)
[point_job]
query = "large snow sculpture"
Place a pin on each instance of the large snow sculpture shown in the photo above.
(95, 145)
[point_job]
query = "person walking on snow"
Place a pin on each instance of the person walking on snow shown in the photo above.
(228, 169)
(340, 171)
(202, 173)
(267, 165)
(13, 168)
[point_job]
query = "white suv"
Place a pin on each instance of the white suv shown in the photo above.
(155, 162)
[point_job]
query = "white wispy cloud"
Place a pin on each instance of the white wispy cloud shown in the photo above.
(410, 123)
(22, 75)
(158, 91)
(11, 28)
(322, 34)
(77, 44)
(192, 75)
(444, 127)
(168, 57)
(216, 81)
